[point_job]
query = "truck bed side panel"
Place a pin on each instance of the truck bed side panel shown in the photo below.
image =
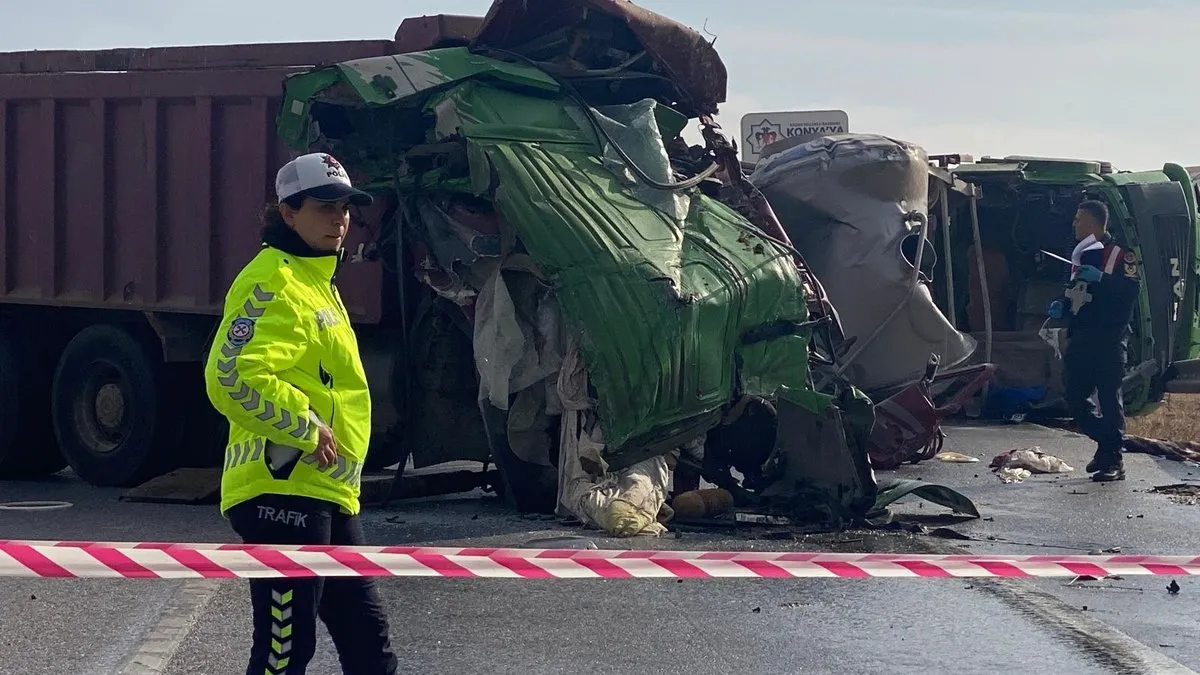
(142, 190)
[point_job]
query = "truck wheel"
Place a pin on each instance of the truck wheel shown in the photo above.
(27, 449)
(113, 418)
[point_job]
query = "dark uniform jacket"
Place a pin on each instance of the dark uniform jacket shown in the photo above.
(1099, 312)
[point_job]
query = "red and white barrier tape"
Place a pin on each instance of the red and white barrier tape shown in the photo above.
(63, 559)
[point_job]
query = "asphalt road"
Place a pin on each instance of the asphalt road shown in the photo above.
(1067, 513)
(694, 627)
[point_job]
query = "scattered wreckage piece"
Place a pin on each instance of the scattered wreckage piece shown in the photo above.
(819, 470)
(601, 42)
(908, 423)
(952, 457)
(1180, 493)
(1017, 465)
(1180, 451)
(818, 474)
(1013, 474)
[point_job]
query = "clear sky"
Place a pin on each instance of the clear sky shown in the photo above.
(1106, 79)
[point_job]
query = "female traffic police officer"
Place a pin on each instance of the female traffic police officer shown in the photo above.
(285, 371)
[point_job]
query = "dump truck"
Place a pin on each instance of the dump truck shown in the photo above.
(535, 258)
(133, 180)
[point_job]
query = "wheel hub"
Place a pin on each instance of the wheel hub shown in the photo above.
(100, 410)
(110, 407)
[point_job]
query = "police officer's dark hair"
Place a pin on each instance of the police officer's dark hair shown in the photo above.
(272, 219)
(1097, 209)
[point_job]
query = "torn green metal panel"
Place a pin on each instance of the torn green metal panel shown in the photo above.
(388, 80)
(383, 80)
(670, 122)
(503, 114)
(299, 90)
(893, 489)
(684, 296)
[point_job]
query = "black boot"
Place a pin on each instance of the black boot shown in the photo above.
(1105, 455)
(1109, 471)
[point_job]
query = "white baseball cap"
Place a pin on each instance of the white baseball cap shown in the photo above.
(320, 176)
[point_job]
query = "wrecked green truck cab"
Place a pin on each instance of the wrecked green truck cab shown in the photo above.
(669, 295)
(1025, 206)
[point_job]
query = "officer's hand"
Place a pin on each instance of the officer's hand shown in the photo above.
(1056, 309)
(326, 451)
(1088, 273)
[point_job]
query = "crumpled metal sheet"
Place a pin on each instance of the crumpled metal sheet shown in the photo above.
(683, 54)
(844, 201)
(818, 472)
(893, 489)
(662, 306)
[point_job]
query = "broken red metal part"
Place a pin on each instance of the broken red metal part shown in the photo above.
(422, 33)
(680, 54)
(908, 423)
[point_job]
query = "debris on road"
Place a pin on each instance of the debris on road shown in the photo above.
(702, 503)
(1088, 577)
(948, 533)
(569, 542)
(1031, 459)
(1180, 451)
(1180, 493)
(893, 489)
(1173, 588)
(1009, 474)
(955, 457)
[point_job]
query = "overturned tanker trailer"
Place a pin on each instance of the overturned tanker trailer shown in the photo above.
(556, 243)
(857, 207)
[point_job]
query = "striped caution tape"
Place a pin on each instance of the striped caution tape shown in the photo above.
(64, 559)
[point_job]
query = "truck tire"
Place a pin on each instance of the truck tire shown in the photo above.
(113, 416)
(27, 448)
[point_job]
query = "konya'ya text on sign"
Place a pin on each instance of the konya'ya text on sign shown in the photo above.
(764, 128)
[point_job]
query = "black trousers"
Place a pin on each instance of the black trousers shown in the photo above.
(286, 610)
(1097, 370)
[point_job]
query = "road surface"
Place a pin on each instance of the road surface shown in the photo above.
(694, 627)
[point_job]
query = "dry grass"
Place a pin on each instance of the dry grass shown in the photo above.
(1177, 419)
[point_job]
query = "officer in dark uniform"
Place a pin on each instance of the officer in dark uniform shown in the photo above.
(1098, 307)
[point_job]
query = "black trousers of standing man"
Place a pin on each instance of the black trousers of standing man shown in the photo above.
(286, 610)
(1097, 370)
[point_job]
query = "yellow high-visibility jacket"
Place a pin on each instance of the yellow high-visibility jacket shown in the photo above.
(286, 359)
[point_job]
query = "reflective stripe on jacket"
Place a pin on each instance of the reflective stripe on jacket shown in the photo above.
(286, 359)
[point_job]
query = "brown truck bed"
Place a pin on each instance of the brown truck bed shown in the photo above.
(135, 178)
